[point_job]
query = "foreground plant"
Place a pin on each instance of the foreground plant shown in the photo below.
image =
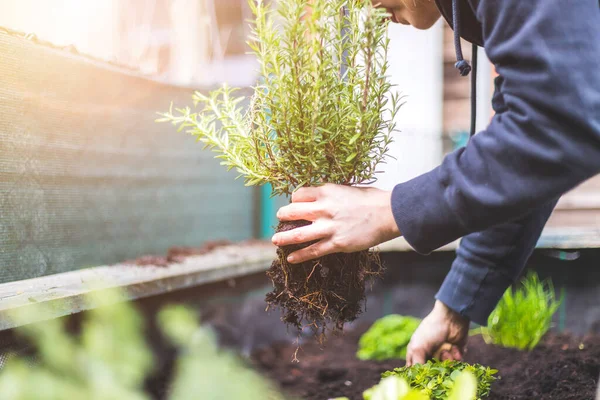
(523, 315)
(436, 379)
(317, 116)
(387, 338)
(394, 387)
(110, 359)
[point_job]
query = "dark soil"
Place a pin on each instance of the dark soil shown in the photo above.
(558, 369)
(322, 294)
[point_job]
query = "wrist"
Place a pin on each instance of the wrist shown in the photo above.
(449, 314)
(389, 226)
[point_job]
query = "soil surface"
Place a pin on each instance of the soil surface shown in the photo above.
(561, 368)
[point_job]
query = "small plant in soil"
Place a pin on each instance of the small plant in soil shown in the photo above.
(387, 338)
(322, 112)
(394, 387)
(437, 378)
(523, 315)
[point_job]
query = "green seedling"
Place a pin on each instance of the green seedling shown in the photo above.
(394, 387)
(523, 315)
(437, 379)
(387, 338)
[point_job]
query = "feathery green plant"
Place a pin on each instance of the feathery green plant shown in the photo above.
(320, 112)
(387, 338)
(523, 315)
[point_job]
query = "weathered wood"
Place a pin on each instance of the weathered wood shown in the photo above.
(65, 293)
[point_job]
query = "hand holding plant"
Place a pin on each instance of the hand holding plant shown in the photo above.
(323, 112)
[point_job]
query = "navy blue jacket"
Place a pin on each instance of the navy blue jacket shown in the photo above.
(544, 140)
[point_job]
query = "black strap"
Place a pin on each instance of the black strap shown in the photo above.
(474, 90)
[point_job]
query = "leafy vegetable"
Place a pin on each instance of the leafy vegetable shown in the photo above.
(323, 110)
(436, 379)
(523, 316)
(387, 338)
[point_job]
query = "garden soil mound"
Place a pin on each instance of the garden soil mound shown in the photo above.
(561, 368)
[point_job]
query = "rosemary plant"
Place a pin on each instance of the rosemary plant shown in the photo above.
(322, 110)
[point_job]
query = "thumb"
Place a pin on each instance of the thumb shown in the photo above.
(442, 352)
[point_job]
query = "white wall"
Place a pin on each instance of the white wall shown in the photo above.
(416, 66)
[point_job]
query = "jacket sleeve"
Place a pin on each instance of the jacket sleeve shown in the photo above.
(547, 140)
(488, 262)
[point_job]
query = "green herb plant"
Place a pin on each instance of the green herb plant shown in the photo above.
(387, 338)
(393, 387)
(523, 315)
(320, 112)
(110, 359)
(323, 111)
(436, 379)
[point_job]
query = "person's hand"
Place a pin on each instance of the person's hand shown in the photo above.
(344, 219)
(442, 334)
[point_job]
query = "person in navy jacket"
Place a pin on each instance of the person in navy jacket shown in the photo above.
(497, 192)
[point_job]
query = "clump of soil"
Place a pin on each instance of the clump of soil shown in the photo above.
(178, 254)
(562, 367)
(321, 294)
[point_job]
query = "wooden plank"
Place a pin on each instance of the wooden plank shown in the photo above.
(64, 293)
(552, 238)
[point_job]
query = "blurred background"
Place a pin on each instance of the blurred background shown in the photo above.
(88, 178)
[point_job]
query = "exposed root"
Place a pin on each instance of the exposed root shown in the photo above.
(322, 294)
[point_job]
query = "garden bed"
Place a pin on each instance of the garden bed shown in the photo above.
(563, 367)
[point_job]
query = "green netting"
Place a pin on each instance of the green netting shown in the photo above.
(86, 175)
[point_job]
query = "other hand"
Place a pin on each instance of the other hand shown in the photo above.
(442, 334)
(344, 219)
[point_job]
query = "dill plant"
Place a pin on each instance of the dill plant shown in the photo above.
(523, 315)
(322, 112)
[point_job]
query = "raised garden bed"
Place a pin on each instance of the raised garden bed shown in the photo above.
(563, 367)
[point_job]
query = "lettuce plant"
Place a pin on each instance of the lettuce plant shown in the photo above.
(387, 338)
(523, 315)
(436, 379)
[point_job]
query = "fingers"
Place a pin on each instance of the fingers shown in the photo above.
(442, 353)
(311, 252)
(303, 234)
(305, 194)
(416, 356)
(297, 211)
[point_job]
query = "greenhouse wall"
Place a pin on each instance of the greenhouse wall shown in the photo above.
(86, 175)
